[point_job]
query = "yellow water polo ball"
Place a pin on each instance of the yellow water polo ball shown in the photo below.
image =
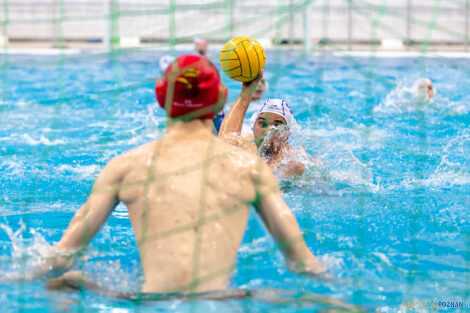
(242, 58)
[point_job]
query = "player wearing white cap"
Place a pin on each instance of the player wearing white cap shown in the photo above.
(164, 62)
(424, 89)
(271, 126)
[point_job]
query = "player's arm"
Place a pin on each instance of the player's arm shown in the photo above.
(231, 126)
(88, 220)
(293, 167)
(282, 224)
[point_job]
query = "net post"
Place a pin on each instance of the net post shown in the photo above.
(408, 23)
(350, 25)
(231, 9)
(467, 5)
(54, 39)
(228, 7)
(107, 25)
(171, 20)
(308, 26)
(291, 23)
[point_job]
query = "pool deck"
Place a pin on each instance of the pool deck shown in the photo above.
(366, 50)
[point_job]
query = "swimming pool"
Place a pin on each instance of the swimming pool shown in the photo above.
(390, 220)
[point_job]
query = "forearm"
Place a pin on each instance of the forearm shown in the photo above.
(290, 238)
(232, 124)
(233, 121)
(285, 229)
(86, 223)
(77, 234)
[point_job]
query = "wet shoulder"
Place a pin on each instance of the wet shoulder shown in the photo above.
(242, 162)
(241, 157)
(135, 159)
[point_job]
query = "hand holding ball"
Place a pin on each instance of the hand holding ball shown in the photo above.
(242, 59)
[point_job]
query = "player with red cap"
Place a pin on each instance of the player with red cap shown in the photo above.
(187, 195)
(194, 87)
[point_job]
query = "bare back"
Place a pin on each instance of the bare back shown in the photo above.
(188, 195)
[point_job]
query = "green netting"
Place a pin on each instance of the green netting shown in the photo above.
(119, 27)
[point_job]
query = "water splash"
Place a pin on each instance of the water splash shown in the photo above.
(453, 170)
(29, 250)
(404, 98)
(334, 164)
(42, 140)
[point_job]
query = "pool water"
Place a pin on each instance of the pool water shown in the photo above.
(386, 208)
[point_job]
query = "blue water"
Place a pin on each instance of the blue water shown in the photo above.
(386, 208)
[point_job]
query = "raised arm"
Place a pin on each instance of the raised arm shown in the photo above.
(282, 224)
(231, 126)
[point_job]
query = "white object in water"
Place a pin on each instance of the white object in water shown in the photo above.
(391, 44)
(424, 88)
(164, 62)
(3, 41)
(129, 41)
(265, 42)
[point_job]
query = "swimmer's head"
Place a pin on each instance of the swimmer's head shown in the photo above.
(164, 62)
(424, 88)
(201, 45)
(191, 88)
(273, 114)
(259, 92)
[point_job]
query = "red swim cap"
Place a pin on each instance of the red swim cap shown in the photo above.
(191, 88)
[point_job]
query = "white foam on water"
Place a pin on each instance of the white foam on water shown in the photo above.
(334, 160)
(84, 171)
(27, 253)
(258, 245)
(401, 99)
(121, 211)
(333, 264)
(13, 167)
(343, 166)
(42, 140)
(112, 276)
(30, 249)
(453, 169)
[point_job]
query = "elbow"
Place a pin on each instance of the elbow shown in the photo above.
(228, 139)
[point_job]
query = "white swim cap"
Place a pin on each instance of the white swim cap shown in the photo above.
(164, 62)
(420, 87)
(276, 106)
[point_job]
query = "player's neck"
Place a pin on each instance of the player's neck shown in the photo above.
(196, 126)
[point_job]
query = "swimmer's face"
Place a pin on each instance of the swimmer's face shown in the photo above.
(201, 46)
(264, 123)
(426, 88)
(258, 94)
(430, 90)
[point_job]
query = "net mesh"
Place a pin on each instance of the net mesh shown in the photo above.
(115, 28)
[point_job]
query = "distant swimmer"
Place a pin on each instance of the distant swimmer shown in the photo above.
(271, 127)
(164, 62)
(423, 88)
(200, 46)
(260, 90)
(187, 195)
